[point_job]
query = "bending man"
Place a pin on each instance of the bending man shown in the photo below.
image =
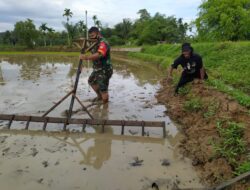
(192, 67)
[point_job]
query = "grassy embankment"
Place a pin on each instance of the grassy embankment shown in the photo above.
(227, 64)
(49, 50)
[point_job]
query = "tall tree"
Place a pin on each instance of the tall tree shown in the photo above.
(82, 28)
(68, 14)
(51, 35)
(72, 31)
(144, 14)
(224, 20)
(97, 22)
(7, 37)
(43, 28)
(26, 32)
(123, 29)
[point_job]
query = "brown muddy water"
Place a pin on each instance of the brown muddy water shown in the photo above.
(92, 161)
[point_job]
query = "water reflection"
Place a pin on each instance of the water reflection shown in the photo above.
(31, 67)
(96, 154)
(1, 76)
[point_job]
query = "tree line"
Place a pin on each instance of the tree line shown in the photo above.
(218, 20)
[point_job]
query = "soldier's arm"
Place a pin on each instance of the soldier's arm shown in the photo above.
(92, 57)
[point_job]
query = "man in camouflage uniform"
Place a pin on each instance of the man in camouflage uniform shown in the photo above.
(102, 67)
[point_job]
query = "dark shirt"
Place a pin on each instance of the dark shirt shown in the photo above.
(190, 65)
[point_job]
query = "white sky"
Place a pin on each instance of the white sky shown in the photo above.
(109, 12)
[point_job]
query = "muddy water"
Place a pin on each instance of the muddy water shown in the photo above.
(61, 160)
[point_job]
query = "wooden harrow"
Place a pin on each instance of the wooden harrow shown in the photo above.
(86, 45)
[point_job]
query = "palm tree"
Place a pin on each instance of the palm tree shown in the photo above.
(126, 27)
(51, 34)
(97, 22)
(94, 19)
(67, 13)
(81, 27)
(43, 28)
(71, 31)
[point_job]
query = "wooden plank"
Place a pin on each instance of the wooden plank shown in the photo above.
(229, 183)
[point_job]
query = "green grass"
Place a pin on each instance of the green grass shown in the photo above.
(242, 168)
(38, 53)
(227, 64)
(194, 104)
(211, 109)
(231, 144)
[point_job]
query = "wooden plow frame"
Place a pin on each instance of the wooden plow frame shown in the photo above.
(85, 45)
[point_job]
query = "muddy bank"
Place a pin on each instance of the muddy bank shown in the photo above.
(199, 127)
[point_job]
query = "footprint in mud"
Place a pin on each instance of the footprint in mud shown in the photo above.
(45, 164)
(165, 162)
(159, 184)
(55, 148)
(136, 162)
(3, 138)
(40, 180)
(5, 151)
(34, 152)
(57, 163)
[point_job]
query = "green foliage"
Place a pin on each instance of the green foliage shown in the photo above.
(242, 168)
(123, 29)
(184, 90)
(72, 30)
(159, 28)
(232, 144)
(194, 104)
(211, 109)
(241, 97)
(145, 30)
(224, 20)
(26, 33)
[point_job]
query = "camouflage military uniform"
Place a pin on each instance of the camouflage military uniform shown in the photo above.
(102, 68)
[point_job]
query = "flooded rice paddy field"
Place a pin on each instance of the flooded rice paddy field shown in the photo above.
(30, 85)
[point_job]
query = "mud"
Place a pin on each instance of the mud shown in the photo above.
(200, 129)
(61, 160)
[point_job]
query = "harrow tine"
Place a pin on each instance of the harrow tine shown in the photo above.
(65, 124)
(164, 129)
(143, 128)
(27, 124)
(123, 126)
(84, 126)
(11, 120)
(45, 123)
(103, 124)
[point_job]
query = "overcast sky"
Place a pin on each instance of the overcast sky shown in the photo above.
(109, 12)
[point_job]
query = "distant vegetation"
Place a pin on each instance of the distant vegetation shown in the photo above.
(218, 20)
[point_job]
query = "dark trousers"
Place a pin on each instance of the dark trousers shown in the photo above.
(185, 78)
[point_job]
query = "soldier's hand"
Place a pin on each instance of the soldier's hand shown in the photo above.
(82, 57)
